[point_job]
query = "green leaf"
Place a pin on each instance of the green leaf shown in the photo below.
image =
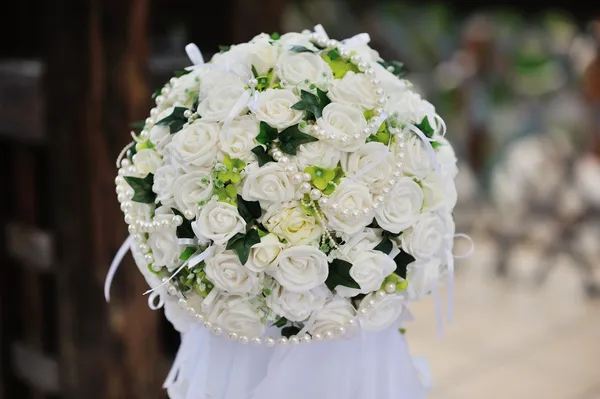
(196, 102)
(334, 54)
(402, 260)
(180, 72)
(282, 321)
(395, 67)
(339, 66)
(309, 103)
(262, 155)
(142, 188)
(187, 253)
(436, 144)
(175, 121)
(291, 138)
(266, 133)
(390, 234)
(384, 246)
(275, 36)
(425, 127)
(223, 48)
(241, 244)
(289, 331)
(254, 71)
(323, 100)
(249, 210)
(185, 229)
(156, 93)
(339, 274)
(301, 49)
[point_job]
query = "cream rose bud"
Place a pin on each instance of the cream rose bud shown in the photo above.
(417, 161)
(274, 106)
(236, 314)
(317, 153)
(220, 102)
(372, 164)
(269, 183)
(410, 107)
(289, 221)
(423, 275)
(343, 121)
(296, 306)
(334, 314)
(218, 221)
(352, 196)
(401, 207)
(439, 192)
(238, 140)
(146, 161)
(365, 240)
(194, 146)
(164, 181)
(354, 89)
(384, 314)
(191, 188)
(301, 268)
(264, 255)
(426, 238)
(298, 68)
(229, 275)
(369, 269)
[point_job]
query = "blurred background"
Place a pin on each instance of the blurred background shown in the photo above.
(518, 86)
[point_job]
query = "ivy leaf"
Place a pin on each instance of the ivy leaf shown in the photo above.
(180, 72)
(262, 155)
(323, 99)
(223, 48)
(390, 234)
(266, 133)
(185, 229)
(384, 246)
(142, 188)
(249, 210)
(187, 253)
(301, 49)
(282, 321)
(289, 331)
(254, 71)
(339, 274)
(291, 138)
(175, 121)
(241, 244)
(425, 127)
(334, 54)
(402, 260)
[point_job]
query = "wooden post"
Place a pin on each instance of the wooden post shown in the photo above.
(95, 85)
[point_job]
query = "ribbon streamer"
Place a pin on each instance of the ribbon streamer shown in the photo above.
(427, 142)
(195, 55)
(114, 266)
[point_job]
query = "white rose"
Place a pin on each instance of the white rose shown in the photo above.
(369, 269)
(343, 121)
(417, 161)
(384, 314)
(220, 102)
(410, 107)
(140, 211)
(296, 306)
(217, 78)
(425, 239)
(447, 158)
(184, 90)
(401, 207)
(372, 164)
(146, 161)
(191, 188)
(353, 196)
(318, 153)
(274, 106)
(264, 255)
(160, 136)
(288, 40)
(334, 314)
(236, 314)
(296, 68)
(439, 192)
(393, 85)
(238, 140)
(218, 221)
(301, 268)
(262, 55)
(164, 180)
(270, 183)
(292, 223)
(163, 242)
(354, 89)
(194, 146)
(228, 274)
(423, 276)
(363, 241)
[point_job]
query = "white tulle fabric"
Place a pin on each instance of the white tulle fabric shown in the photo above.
(369, 365)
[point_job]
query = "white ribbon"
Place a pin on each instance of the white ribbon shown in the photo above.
(187, 241)
(357, 40)
(247, 99)
(195, 55)
(440, 125)
(191, 262)
(152, 304)
(382, 156)
(114, 266)
(212, 295)
(427, 142)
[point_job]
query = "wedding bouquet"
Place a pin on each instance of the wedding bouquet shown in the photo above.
(293, 189)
